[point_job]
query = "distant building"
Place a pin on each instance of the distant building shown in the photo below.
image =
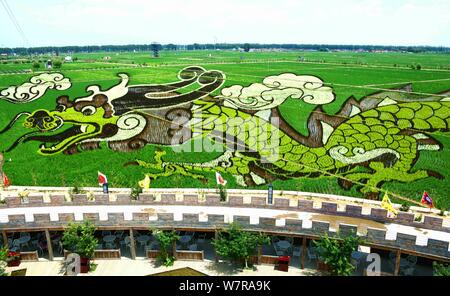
(68, 59)
(49, 64)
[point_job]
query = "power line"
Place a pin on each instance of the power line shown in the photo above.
(14, 20)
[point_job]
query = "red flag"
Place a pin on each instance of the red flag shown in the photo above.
(5, 181)
(426, 199)
(220, 180)
(102, 179)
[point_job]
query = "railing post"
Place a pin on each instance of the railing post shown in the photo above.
(302, 260)
(133, 245)
(216, 236)
(259, 255)
(5, 238)
(397, 262)
(174, 247)
(49, 245)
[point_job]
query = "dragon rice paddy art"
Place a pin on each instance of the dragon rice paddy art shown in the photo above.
(368, 142)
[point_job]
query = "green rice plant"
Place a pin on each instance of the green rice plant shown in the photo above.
(135, 191)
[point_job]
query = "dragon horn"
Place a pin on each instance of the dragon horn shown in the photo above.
(9, 126)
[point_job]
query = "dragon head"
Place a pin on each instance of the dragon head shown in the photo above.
(116, 115)
(79, 121)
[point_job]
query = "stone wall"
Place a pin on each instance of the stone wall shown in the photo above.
(281, 203)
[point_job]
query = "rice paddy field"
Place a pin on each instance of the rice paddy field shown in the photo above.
(350, 74)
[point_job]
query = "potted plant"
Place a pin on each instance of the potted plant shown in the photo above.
(166, 240)
(335, 253)
(79, 238)
(222, 193)
(13, 258)
(237, 245)
(3, 258)
(441, 269)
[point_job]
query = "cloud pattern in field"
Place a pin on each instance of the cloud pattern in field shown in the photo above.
(275, 90)
(35, 88)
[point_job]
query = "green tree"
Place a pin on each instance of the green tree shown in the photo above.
(246, 47)
(36, 66)
(336, 252)
(57, 64)
(441, 269)
(238, 245)
(155, 48)
(3, 257)
(166, 240)
(79, 238)
(171, 46)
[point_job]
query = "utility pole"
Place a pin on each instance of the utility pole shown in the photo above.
(2, 158)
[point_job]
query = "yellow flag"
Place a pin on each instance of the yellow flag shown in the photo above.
(386, 204)
(145, 184)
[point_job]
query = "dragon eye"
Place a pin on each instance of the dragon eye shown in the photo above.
(88, 110)
(60, 108)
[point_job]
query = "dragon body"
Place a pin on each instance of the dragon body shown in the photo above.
(384, 140)
(368, 142)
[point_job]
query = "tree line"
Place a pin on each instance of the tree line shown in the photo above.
(210, 46)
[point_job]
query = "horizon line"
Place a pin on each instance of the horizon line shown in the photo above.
(236, 43)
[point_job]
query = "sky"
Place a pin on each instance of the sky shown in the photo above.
(100, 22)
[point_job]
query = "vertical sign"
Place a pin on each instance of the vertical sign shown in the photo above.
(270, 195)
(105, 188)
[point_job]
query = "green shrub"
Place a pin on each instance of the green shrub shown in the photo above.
(404, 207)
(222, 193)
(135, 191)
(166, 240)
(3, 258)
(57, 64)
(336, 252)
(238, 245)
(79, 238)
(441, 269)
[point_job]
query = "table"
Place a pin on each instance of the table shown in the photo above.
(283, 245)
(185, 239)
(23, 240)
(109, 238)
(404, 263)
(143, 239)
(358, 255)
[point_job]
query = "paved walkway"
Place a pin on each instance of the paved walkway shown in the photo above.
(143, 267)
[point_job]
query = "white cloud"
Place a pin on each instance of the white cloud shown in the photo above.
(402, 22)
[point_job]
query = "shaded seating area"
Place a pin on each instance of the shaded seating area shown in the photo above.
(187, 241)
(113, 244)
(407, 264)
(24, 242)
(282, 245)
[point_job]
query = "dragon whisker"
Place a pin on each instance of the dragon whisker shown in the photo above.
(13, 121)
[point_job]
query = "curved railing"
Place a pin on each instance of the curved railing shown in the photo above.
(118, 211)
